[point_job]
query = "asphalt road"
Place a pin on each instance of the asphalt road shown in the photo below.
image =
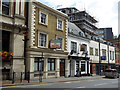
(101, 83)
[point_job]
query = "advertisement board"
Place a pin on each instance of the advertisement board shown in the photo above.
(54, 44)
(103, 57)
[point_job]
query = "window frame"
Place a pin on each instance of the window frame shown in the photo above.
(51, 61)
(96, 50)
(62, 42)
(39, 40)
(91, 48)
(38, 61)
(8, 7)
(46, 21)
(74, 46)
(62, 27)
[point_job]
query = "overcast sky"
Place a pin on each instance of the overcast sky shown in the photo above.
(105, 11)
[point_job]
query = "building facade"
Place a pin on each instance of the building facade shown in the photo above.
(78, 47)
(48, 27)
(102, 56)
(12, 20)
(105, 33)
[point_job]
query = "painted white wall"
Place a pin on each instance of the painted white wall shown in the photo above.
(79, 42)
(94, 44)
(95, 59)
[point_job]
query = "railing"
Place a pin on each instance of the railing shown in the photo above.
(22, 76)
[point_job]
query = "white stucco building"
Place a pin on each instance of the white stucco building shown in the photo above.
(78, 48)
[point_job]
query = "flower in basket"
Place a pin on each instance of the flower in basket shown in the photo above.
(6, 55)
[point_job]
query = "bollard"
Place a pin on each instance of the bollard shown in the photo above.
(40, 76)
(21, 77)
(13, 78)
(28, 76)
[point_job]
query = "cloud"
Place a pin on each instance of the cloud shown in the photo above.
(106, 11)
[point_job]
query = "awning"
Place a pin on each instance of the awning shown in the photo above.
(78, 58)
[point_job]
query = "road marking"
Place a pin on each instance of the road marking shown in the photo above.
(90, 80)
(76, 81)
(114, 82)
(81, 87)
(67, 82)
(100, 84)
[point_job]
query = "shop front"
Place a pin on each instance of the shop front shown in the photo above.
(79, 64)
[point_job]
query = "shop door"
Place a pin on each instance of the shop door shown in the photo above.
(62, 67)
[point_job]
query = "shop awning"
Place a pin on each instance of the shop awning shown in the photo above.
(78, 58)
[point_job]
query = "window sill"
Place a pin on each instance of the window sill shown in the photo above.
(43, 24)
(42, 47)
(60, 29)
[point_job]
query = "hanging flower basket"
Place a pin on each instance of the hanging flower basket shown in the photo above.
(6, 55)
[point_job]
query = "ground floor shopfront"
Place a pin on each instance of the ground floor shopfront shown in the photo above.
(81, 64)
(51, 64)
(99, 69)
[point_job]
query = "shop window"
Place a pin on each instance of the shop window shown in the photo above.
(5, 7)
(38, 64)
(51, 64)
(82, 66)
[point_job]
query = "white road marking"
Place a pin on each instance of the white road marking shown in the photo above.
(100, 84)
(90, 80)
(67, 82)
(114, 82)
(81, 87)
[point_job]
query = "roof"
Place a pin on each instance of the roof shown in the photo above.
(49, 8)
(75, 29)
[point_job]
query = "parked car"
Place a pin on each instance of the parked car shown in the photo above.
(111, 73)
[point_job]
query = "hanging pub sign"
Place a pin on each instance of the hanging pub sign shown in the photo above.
(54, 44)
(103, 57)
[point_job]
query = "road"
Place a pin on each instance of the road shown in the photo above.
(101, 83)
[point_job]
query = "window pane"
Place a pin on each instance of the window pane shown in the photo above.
(35, 66)
(5, 7)
(82, 67)
(42, 40)
(59, 24)
(53, 67)
(43, 18)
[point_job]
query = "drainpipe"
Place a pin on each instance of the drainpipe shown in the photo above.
(25, 41)
(108, 56)
(99, 58)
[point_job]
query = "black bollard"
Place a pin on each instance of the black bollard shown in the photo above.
(28, 76)
(13, 78)
(21, 77)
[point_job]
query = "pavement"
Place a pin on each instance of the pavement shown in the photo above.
(49, 80)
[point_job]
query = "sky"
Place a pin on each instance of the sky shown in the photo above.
(104, 11)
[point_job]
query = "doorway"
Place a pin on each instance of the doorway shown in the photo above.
(62, 67)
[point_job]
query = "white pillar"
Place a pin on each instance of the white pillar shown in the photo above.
(45, 68)
(22, 8)
(66, 67)
(17, 5)
(57, 67)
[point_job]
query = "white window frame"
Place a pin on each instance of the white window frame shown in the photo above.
(46, 39)
(46, 22)
(62, 43)
(62, 24)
